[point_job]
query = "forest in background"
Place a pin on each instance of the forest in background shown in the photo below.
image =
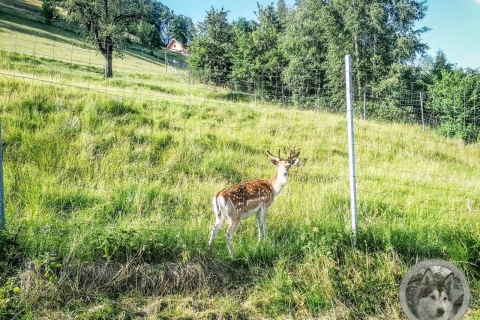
(298, 52)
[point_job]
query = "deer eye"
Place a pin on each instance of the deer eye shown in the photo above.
(432, 296)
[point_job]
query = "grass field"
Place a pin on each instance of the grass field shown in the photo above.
(108, 187)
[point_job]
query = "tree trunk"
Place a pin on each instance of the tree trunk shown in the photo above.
(108, 55)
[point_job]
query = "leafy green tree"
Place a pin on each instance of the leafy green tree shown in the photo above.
(258, 57)
(269, 59)
(106, 22)
(148, 35)
(305, 46)
(382, 34)
(182, 29)
(242, 76)
(244, 26)
(440, 65)
(211, 49)
(49, 11)
(453, 100)
(424, 65)
(162, 17)
(379, 34)
(282, 11)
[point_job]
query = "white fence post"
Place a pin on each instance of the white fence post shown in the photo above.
(421, 109)
(351, 147)
(2, 206)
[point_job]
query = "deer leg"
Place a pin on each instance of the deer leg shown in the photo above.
(262, 223)
(218, 225)
(259, 225)
(231, 229)
(219, 220)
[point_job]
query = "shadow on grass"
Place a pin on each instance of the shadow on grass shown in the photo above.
(40, 30)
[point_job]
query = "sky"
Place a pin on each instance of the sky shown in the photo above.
(454, 24)
(455, 28)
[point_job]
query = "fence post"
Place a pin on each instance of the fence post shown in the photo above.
(421, 109)
(364, 104)
(464, 112)
(351, 147)
(2, 205)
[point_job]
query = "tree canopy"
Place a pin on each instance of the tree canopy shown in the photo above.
(301, 49)
(212, 47)
(106, 22)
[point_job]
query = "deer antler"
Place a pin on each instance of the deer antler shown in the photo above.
(273, 156)
(293, 155)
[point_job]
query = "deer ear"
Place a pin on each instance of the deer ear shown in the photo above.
(274, 161)
(294, 162)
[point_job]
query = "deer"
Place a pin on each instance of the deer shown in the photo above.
(242, 200)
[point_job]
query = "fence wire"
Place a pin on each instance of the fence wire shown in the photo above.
(400, 159)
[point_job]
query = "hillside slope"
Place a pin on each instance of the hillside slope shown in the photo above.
(108, 187)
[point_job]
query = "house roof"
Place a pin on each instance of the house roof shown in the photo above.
(172, 43)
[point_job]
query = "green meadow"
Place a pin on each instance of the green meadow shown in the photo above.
(108, 188)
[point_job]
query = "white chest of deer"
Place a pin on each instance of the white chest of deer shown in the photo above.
(251, 197)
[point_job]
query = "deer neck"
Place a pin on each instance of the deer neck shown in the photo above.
(278, 181)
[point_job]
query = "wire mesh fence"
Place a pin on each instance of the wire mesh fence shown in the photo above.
(407, 174)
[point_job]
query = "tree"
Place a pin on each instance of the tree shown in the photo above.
(162, 17)
(106, 22)
(305, 46)
(258, 57)
(453, 100)
(211, 49)
(379, 34)
(243, 25)
(148, 35)
(182, 29)
(49, 11)
(242, 55)
(282, 11)
(440, 65)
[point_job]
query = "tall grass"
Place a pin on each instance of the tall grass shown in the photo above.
(108, 206)
(91, 179)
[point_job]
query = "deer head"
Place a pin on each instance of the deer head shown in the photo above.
(283, 164)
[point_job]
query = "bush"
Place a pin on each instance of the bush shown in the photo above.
(452, 100)
(49, 11)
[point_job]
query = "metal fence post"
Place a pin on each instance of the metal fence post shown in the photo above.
(351, 147)
(2, 206)
(421, 109)
(364, 104)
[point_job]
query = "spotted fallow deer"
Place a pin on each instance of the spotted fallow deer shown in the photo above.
(242, 200)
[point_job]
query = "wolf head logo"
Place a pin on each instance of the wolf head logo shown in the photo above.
(433, 300)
